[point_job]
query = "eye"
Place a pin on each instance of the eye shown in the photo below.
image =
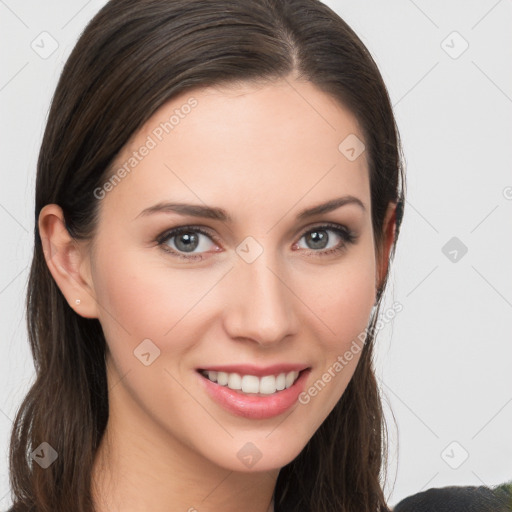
(187, 239)
(318, 238)
(183, 241)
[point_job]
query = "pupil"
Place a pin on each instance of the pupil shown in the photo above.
(190, 239)
(320, 237)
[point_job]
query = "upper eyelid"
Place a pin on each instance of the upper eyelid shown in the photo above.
(172, 232)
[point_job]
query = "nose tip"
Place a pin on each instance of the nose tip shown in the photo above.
(261, 306)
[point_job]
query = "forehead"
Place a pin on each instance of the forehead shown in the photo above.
(266, 143)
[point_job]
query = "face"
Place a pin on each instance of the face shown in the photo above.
(242, 281)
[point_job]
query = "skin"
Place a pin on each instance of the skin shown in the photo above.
(263, 153)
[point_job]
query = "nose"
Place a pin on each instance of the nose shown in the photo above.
(261, 305)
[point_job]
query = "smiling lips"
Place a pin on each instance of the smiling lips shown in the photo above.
(266, 385)
(252, 392)
(254, 380)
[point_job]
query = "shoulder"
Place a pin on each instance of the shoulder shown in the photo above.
(459, 499)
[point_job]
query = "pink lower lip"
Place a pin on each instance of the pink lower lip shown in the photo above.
(253, 406)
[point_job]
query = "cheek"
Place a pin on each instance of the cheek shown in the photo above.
(346, 310)
(147, 299)
(339, 351)
(128, 299)
(135, 301)
(342, 298)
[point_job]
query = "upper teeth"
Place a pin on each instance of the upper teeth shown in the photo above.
(250, 383)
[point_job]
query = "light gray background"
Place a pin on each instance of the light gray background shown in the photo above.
(444, 363)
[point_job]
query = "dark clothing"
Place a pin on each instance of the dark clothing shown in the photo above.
(459, 499)
(445, 499)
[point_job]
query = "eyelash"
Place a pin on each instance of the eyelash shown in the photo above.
(348, 237)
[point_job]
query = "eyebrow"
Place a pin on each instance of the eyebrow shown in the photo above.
(215, 213)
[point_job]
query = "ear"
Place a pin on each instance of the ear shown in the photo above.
(68, 261)
(389, 228)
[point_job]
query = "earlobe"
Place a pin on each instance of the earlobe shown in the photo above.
(65, 258)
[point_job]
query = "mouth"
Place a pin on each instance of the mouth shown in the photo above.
(248, 384)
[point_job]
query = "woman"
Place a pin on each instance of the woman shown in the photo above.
(219, 194)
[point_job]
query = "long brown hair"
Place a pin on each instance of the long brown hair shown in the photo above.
(132, 57)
